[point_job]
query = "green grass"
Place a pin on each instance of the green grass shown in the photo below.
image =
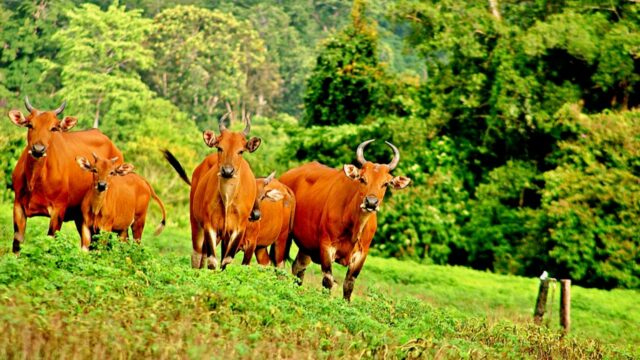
(125, 300)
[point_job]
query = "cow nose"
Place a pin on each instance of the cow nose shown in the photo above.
(102, 186)
(371, 202)
(227, 171)
(37, 150)
(255, 215)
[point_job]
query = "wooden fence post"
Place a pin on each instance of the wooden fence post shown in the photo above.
(541, 302)
(565, 305)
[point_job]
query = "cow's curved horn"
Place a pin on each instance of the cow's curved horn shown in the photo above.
(59, 110)
(95, 156)
(247, 127)
(221, 125)
(396, 156)
(360, 151)
(27, 104)
(269, 178)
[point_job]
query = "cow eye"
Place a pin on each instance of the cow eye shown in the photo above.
(112, 173)
(219, 149)
(240, 152)
(55, 129)
(363, 180)
(94, 170)
(29, 126)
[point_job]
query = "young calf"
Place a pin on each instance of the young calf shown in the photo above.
(117, 200)
(273, 220)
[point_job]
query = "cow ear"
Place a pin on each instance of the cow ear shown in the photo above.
(18, 118)
(210, 138)
(68, 122)
(84, 163)
(400, 182)
(351, 171)
(274, 195)
(253, 144)
(124, 169)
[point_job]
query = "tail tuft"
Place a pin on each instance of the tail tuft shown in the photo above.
(160, 228)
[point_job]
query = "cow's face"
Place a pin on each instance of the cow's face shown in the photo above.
(103, 170)
(264, 192)
(231, 146)
(42, 125)
(374, 179)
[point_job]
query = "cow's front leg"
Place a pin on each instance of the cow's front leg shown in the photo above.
(355, 265)
(327, 254)
(19, 226)
(85, 237)
(300, 265)
(210, 243)
(231, 249)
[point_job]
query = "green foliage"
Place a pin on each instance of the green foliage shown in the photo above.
(205, 58)
(101, 54)
(132, 300)
(346, 81)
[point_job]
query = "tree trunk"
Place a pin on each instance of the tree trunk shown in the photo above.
(96, 119)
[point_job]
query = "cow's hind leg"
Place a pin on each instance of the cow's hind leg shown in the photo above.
(55, 223)
(300, 265)
(197, 240)
(19, 226)
(138, 227)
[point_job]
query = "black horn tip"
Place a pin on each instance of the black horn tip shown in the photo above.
(396, 156)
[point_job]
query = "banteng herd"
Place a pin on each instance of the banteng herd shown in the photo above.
(330, 214)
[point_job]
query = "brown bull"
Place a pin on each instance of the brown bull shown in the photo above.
(222, 195)
(273, 220)
(46, 179)
(335, 217)
(117, 200)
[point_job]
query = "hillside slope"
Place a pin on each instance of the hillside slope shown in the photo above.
(129, 300)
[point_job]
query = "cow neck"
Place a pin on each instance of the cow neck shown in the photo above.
(97, 200)
(38, 170)
(228, 189)
(359, 221)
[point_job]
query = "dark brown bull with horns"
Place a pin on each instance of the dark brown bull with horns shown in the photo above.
(336, 213)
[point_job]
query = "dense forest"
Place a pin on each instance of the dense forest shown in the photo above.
(517, 120)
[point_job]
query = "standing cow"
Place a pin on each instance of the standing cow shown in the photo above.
(46, 179)
(335, 217)
(119, 199)
(222, 195)
(272, 222)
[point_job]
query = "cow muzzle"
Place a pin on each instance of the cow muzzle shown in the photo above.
(38, 151)
(227, 171)
(370, 203)
(101, 186)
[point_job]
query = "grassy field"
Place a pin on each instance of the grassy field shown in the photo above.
(125, 300)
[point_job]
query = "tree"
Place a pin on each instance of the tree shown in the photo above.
(205, 58)
(101, 55)
(345, 84)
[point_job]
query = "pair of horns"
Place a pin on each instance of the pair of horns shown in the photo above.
(247, 121)
(95, 157)
(57, 111)
(396, 154)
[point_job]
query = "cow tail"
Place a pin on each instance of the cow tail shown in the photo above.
(287, 248)
(164, 213)
(176, 165)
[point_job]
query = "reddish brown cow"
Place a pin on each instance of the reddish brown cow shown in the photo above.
(119, 199)
(273, 214)
(222, 195)
(46, 180)
(335, 217)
